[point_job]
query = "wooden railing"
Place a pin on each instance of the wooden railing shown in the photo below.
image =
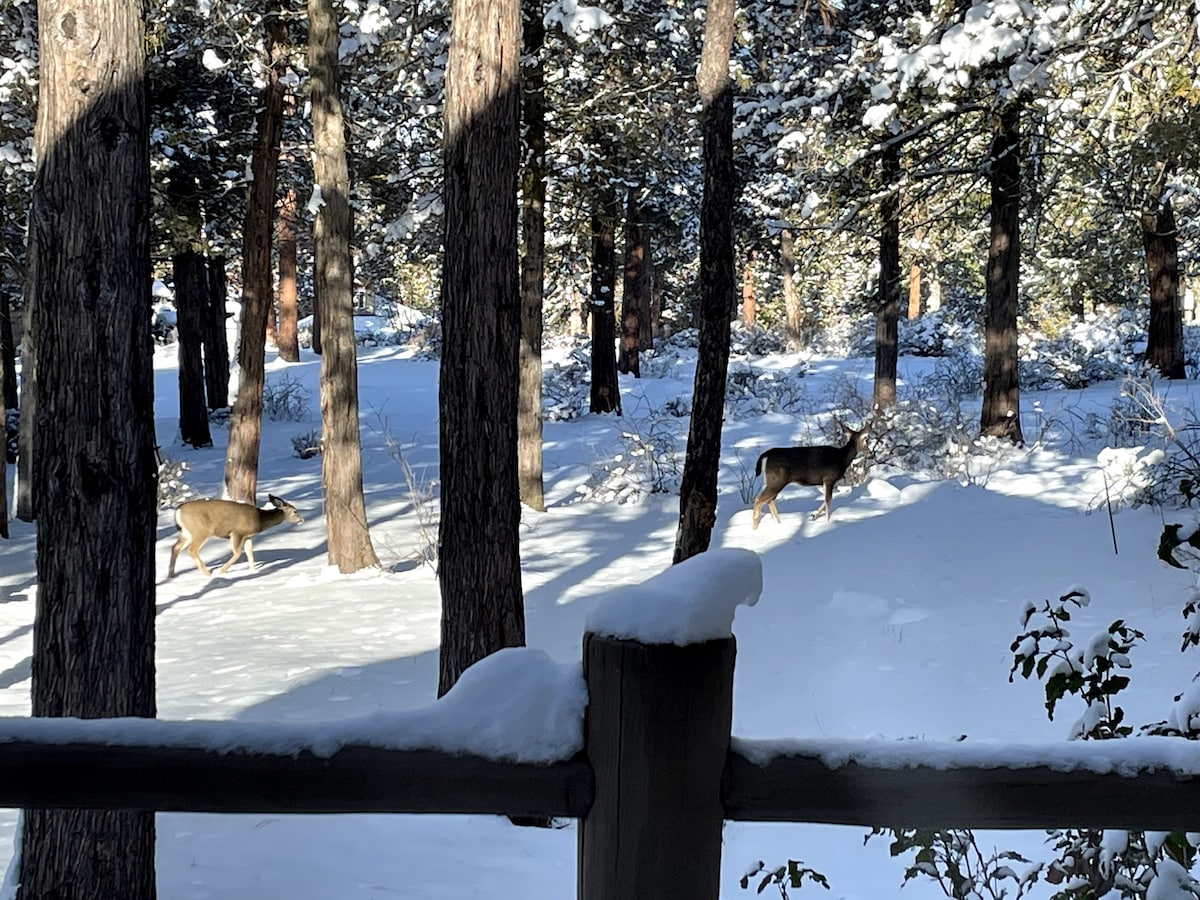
(656, 780)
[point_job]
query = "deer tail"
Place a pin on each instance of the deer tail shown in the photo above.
(758, 464)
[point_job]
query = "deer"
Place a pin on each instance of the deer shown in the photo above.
(199, 520)
(822, 466)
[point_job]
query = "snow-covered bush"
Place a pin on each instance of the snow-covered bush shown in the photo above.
(651, 462)
(307, 445)
(172, 489)
(566, 386)
(285, 399)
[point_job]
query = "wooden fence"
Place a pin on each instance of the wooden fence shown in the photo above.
(651, 789)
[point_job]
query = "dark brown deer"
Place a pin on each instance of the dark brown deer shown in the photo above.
(812, 466)
(199, 520)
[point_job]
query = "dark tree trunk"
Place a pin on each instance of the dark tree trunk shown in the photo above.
(887, 315)
(479, 565)
(632, 310)
(1160, 238)
(245, 421)
(287, 339)
(316, 319)
(533, 263)
(606, 392)
(191, 304)
(346, 533)
(8, 354)
(698, 489)
(1001, 415)
(26, 500)
(216, 343)
(646, 323)
(791, 303)
(94, 458)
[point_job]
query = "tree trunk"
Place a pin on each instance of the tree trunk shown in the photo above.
(698, 490)
(914, 291)
(347, 535)
(3, 468)
(935, 290)
(94, 458)
(646, 294)
(791, 302)
(749, 303)
(191, 304)
(632, 311)
(287, 339)
(1160, 239)
(26, 507)
(8, 355)
(1001, 415)
(888, 312)
(533, 264)
(216, 342)
(606, 392)
(245, 420)
(479, 566)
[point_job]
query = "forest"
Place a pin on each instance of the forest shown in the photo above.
(523, 174)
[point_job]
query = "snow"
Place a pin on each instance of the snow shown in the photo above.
(689, 603)
(883, 632)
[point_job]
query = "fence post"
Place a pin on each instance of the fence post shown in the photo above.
(657, 734)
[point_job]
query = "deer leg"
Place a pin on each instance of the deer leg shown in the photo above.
(175, 548)
(249, 547)
(767, 496)
(825, 506)
(235, 544)
(774, 511)
(194, 552)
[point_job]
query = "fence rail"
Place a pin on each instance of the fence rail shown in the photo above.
(655, 782)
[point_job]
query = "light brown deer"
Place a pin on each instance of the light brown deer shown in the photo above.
(199, 520)
(812, 466)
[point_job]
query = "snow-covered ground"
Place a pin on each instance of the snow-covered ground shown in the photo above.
(892, 620)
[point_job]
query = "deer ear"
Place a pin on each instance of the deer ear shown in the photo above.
(276, 501)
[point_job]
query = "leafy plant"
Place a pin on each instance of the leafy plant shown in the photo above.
(286, 400)
(793, 874)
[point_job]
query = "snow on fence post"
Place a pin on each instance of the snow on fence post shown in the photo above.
(658, 662)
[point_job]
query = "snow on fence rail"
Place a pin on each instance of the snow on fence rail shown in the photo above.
(649, 770)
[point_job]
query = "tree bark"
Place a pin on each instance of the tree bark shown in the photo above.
(287, 338)
(914, 291)
(632, 310)
(479, 565)
(1001, 414)
(94, 456)
(191, 304)
(26, 501)
(8, 355)
(216, 342)
(698, 489)
(749, 301)
(347, 536)
(606, 391)
(533, 263)
(245, 420)
(1160, 240)
(888, 312)
(791, 302)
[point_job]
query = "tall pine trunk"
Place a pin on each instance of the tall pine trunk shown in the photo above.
(479, 567)
(245, 420)
(216, 342)
(1001, 414)
(94, 464)
(698, 489)
(533, 262)
(288, 338)
(887, 314)
(191, 304)
(1160, 240)
(633, 311)
(605, 390)
(793, 314)
(347, 536)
